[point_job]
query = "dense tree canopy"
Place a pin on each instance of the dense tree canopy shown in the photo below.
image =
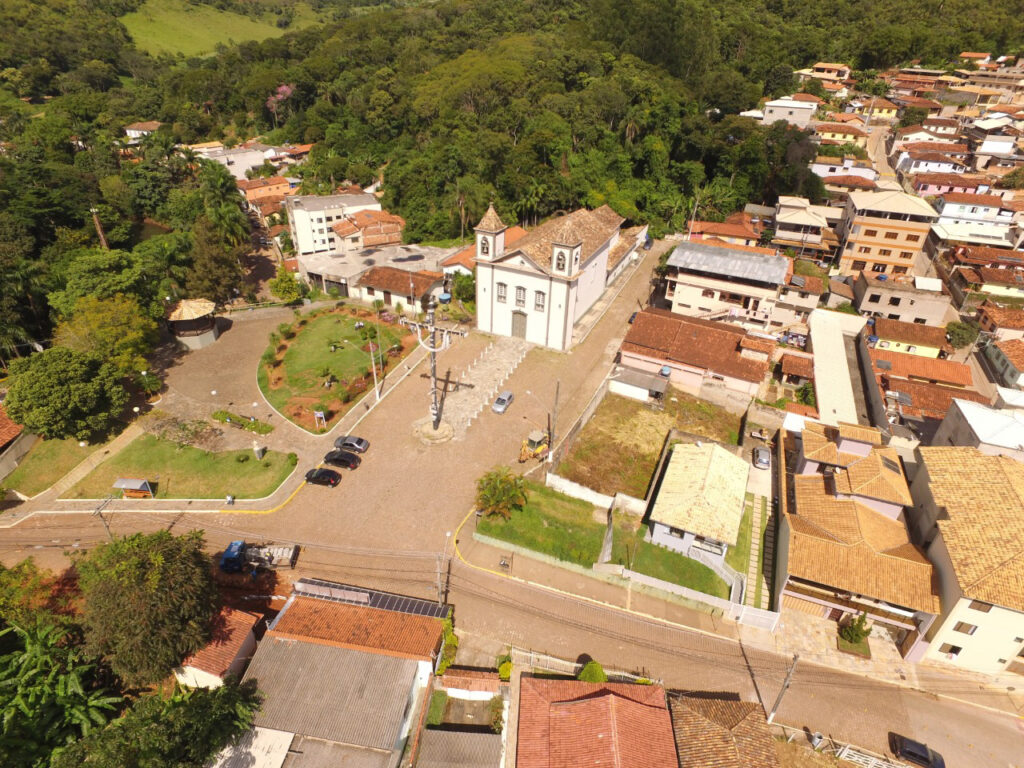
(149, 600)
(61, 393)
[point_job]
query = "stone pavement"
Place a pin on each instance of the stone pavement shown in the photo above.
(479, 383)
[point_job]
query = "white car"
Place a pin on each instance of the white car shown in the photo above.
(503, 401)
(762, 458)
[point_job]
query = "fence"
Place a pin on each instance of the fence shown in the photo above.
(558, 451)
(543, 661)
(737, 583)
(817, 742)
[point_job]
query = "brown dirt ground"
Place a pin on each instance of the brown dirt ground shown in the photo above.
(793, 755)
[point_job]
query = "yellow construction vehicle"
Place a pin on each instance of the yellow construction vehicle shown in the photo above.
(535, 446)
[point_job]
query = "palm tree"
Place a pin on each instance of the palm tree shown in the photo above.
(500, 493)
(230, 224)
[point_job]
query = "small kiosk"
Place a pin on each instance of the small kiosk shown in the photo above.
(193, 323)
(134, 488)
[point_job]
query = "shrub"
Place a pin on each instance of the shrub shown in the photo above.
(505, 671)
(592, 672)
(293, 459)
(855, 630)
(962, 334)
(497, 713)
(451, 646)
(286, 331)
(242, 458)
(333, 292)
(275, 339)
(269, 359)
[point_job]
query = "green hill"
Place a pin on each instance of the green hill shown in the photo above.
(176, 26)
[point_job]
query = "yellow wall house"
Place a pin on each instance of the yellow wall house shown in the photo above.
(912, 338)
(841, 134)
(883, 232)
(968, 510)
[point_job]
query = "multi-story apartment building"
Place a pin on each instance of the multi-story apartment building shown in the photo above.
(883, 232)
(311, 219)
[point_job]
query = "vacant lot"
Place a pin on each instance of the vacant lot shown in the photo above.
(618, 448)
(551, 523)
(46, 463)
(326, 347)
(178, 472)
(176, 26)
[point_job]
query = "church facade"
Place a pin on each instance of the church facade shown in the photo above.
(538, 288)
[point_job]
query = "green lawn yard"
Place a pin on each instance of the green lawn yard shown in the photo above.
(661, 563)
(294, 385)
(176, 26)
(738, 557)
(46, 463)
(551, 523)
(187, 473)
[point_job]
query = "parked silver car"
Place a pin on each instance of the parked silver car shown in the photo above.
(762, 458)
(503, 401)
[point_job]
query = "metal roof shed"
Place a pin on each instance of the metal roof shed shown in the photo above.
(134, 488)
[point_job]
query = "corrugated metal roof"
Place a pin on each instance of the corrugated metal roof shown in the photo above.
(458, 749)
(313, 753)
(372, 598)
(332, 693)
(259, 748)
(727, 262)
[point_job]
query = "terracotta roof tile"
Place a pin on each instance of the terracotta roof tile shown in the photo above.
(802, 410)
(850, 547)
(274, 181)
(1003, 317)
(8, 428)
(856, 182)
(847, 130)
(900, 365)
(588, 229)
(840, 288)
(398, 281)
(491, 221)
(928, 401)
(359, 627)
(1013, 350)
(949, 180)
(983, 528)
(567, 723)
(797, 365)
(912, 333)
(700, 343)
(994, 276)
(229, 632)
(966, 198)
(712, 733)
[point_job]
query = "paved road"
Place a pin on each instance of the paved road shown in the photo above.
(385, 526)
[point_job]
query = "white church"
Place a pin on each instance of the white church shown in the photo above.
(540, 288)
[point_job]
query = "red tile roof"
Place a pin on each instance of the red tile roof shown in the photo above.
(146, 125)
(965, 198)
(929, 401)
(1003, 317)
(369, 221)
(904, 366)
(802, 410)
(1003, 276)
(912, 333)
(274, 181)
(8, 429)
(1013, 350)
(846, 130)
(807, 97)
(949, 180)
(359, 627)
(711, 733)
(839, 288)
(854, 182)
(467, 256)
(231, 628)
(567, 723)
(712, 346)
(795, 365)
(398, 281)
(946, 147)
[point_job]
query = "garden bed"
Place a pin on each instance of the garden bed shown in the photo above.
(861, 649)
(183, 472)
(618, 449)
(321, 362)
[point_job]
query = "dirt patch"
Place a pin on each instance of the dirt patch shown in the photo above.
(618, 448)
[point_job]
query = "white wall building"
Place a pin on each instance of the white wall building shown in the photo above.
(792, 111)
(310, 219)
(539, 288)
(993, 431)
(976, 211)
(967, 510)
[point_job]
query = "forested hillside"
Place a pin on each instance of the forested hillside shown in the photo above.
(537, 104)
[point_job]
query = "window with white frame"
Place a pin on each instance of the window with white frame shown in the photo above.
(520, 296)
(538, 301)
(502, 292)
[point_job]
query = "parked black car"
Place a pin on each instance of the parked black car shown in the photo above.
(915, 752)
(322, 476)
(352, 443)
(342, 459)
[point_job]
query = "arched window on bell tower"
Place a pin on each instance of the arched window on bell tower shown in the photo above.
(560, 261)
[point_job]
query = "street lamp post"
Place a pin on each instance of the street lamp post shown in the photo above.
(145, 384)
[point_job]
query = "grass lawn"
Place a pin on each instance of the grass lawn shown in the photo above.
(176, 26)
(186, 473)
(438, 703)
(761, 584)
(809, 269)
(551, 523)
(294, 386)
(46, 463)
(661, 563)
(857, 649)
(738, 557)
(618, 449)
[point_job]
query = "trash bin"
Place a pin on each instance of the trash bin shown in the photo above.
(229, 499)
(816, 739)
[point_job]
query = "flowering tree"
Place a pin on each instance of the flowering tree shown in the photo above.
(274, 100)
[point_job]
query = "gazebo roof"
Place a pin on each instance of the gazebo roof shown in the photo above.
(191, 309)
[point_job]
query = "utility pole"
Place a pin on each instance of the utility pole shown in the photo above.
(551, 423)
(433, 348)
(98, 512)
(441, 560)
(785, 686)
